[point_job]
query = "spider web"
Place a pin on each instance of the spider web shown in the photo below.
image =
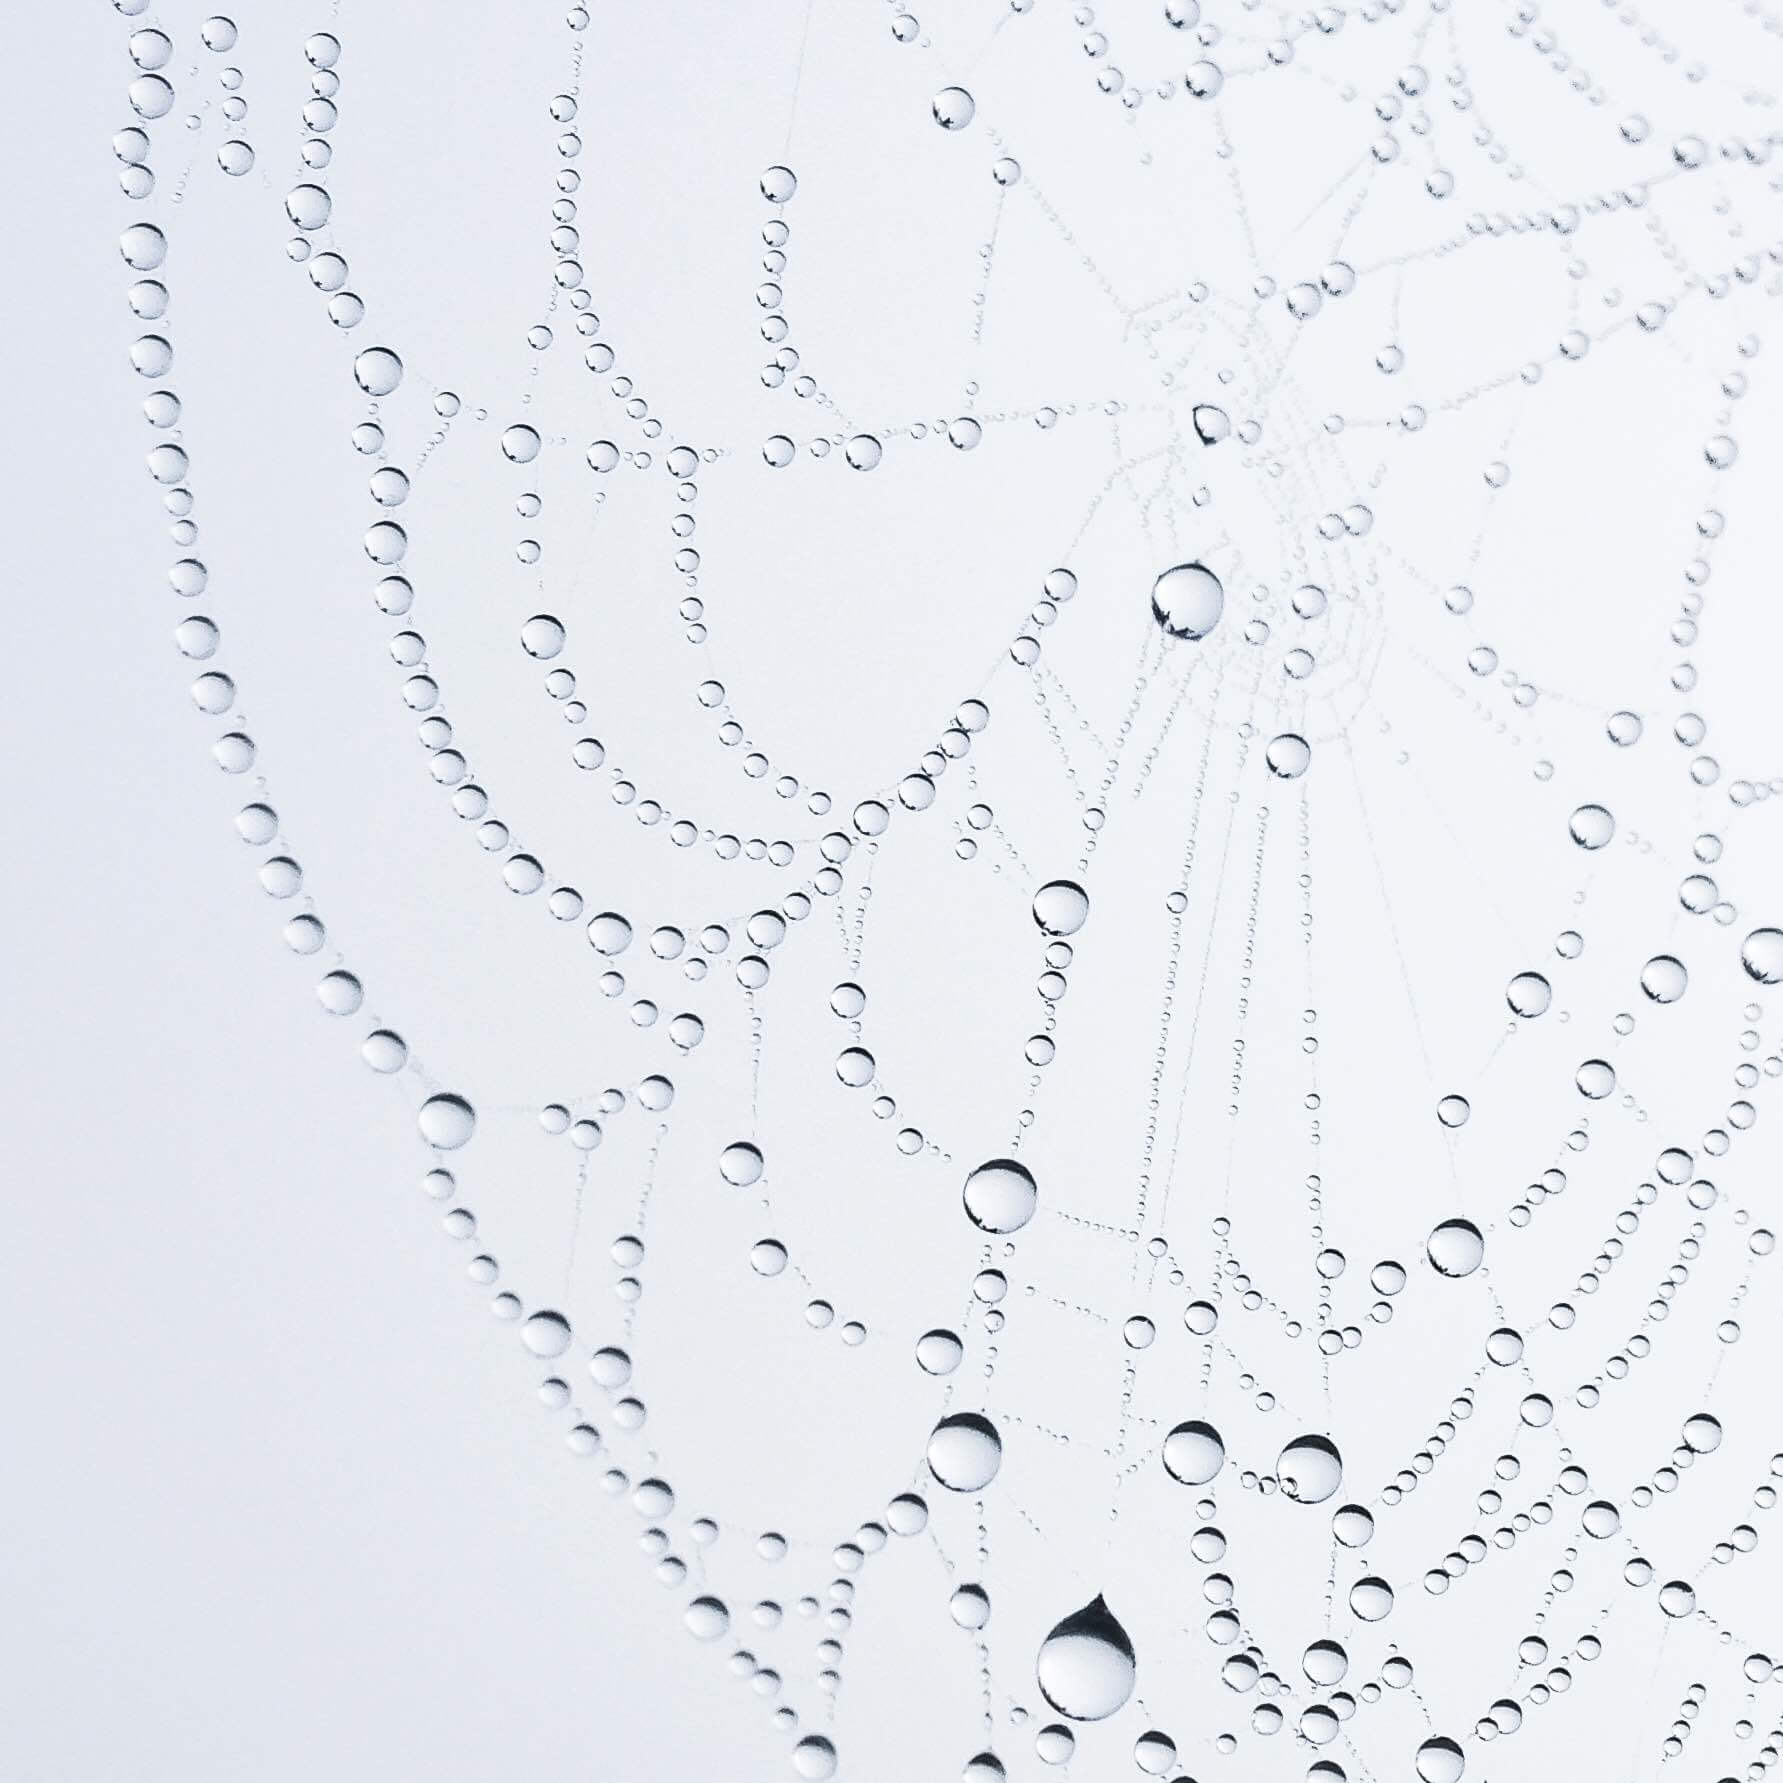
(764, 788)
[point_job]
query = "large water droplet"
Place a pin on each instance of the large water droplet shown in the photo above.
(1702, 1433)
(1187, 600)
(1761, 953)
(377, 371)
(1456, 1248)
(740, 1164)
(520, 443)
(446, 1121)
(1677, 1598)
(1592, 826)
(1440, 1761)
(1000, 1196)
(953, 108)
(965, 1452)
(1529, 995)
(1664, 978)
(814, 1758)
(1371, 1599)
(1061, 907)
(1085, 1667)
(1288, 756)
(546, 1334)
(1193, 1453)
(1310, 1469)
(1212, 423)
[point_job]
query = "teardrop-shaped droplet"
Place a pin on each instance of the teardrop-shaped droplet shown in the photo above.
(1086, 1668)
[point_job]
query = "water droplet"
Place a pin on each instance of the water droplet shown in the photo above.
(1596, 1078)
(1085, 1667)
(520, 443)
(1677, 1598)
(1061, 907)
(546, 1334)
(377, 371)
(308, 207)
(1600, 1519)
(542, 636)
(965, 1452)
(1761, 953)
(1591, 826)
(609, 933)
(1187, 600)
(1203, 80)
(1193, 1453)
(953, 108)
(446, 1121)
(814, 1758)
(1702, 1434)
(1529, 995)
(1154, 1753)
(143, 246)
(1664, 978)
(1456, 1248)
(970, 1606)
(1000, 1196)
(740, 1164)
(1371, 1599)
(1310, 1469)
(1440, 1761)
(1288, 756)
(1212, 424)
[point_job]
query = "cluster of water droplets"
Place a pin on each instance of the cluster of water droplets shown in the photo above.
(1239, 1308)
